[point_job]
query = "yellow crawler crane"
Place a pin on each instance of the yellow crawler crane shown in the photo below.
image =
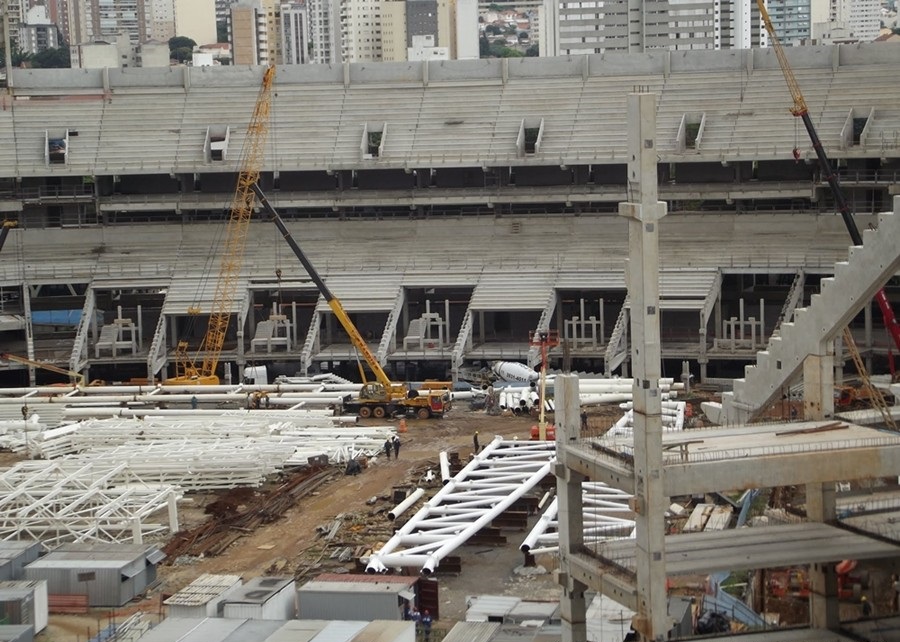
(187, 370)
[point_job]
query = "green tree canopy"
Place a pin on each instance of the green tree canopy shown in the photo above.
(52, 58)
(181, 42)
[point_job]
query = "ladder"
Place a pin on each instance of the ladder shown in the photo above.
(875, 395)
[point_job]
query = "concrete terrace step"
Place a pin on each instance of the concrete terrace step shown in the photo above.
(842, 296)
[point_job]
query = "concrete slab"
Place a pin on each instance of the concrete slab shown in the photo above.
(758, 547)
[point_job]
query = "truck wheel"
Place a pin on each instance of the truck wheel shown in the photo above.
(378, 412)
(423, 413)
(365, 412)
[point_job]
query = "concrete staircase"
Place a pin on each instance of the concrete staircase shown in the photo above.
(842, 296)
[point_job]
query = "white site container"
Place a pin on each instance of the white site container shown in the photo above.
(263, 598)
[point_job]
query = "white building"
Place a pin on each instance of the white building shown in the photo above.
(38, 33)
(571, 27)
(849, 21)
(360, 25)
(324, 18)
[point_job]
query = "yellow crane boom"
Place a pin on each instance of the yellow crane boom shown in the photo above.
(77, 378)
(186, 369)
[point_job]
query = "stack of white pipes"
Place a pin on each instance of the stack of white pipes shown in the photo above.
(592, 391)
(672, 419)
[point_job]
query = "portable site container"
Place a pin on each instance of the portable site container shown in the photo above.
(17, 633)
(109, 574)
(15, 555)
(357, 597)
(263, 598)
(25, 602)
(204, 597)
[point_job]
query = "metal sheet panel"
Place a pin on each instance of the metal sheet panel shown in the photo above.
(17, 633)
(340, 631)
(472, 632)
(351, 600)
(297, 631)
(259, 601)
(192, 630)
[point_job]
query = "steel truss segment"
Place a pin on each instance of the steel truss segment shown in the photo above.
(505, 472)
(602, 505)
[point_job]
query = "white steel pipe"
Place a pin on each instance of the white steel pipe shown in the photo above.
(400, 508)
(445, 467)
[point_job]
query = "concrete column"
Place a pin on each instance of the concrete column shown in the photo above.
(644, 213)
(818, 387)
(824, 607)
(572, 604)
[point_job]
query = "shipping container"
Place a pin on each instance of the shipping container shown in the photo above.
(367, 598)
(202, 598)
(15, 555)
(109, 574)
(17, 633)
(263, 598)
(25, 602)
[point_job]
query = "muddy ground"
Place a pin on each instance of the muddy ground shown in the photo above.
(294, 545)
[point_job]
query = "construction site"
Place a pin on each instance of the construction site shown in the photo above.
(587, 348)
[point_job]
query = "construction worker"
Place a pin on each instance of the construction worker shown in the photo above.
(396, 443)
(426, 625)
(475, 442)
(388, 448)
(866, 607)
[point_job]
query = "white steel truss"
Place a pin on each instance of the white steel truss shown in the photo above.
(492, 482)
(47, 502)
(606, 516)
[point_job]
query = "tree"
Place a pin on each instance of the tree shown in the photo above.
(52, 58)
(533, 51)
(19, 58)
(509, 52)
(181, 48)
(493, 30)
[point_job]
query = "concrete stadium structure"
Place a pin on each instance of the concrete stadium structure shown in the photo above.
(486, 211)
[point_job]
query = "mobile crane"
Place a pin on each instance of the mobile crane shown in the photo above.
(801, 111)
(379, 398)
(186, 369)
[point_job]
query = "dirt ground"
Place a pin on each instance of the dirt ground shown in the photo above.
(293, 546)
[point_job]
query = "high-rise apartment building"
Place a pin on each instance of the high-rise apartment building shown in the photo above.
(15, 14)
(433, 29)
(570, 27)
(792, 20)
(196, 19)
(38, 33)
(91, 20)
(254, 32)
(324, 32)
(360, 30)
(295, 44)
(862, 18)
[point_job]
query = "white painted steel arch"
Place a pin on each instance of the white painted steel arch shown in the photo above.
(606, 516)
(496, 478)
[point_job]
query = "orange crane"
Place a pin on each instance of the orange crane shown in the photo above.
(187, 370)
(801, 111)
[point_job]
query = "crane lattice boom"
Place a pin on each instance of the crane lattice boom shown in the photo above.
(233, 252)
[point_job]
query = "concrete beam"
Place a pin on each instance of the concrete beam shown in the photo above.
(777, 469)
